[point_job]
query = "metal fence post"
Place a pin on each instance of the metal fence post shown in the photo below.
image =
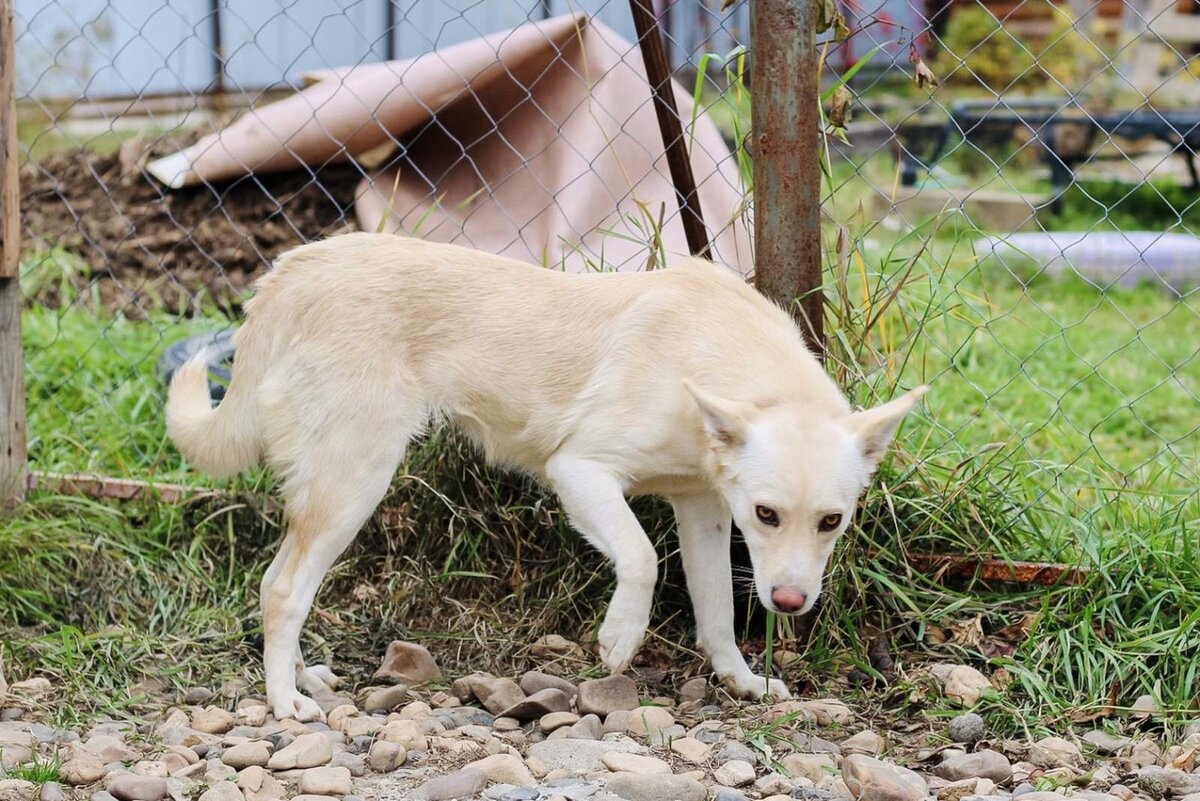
(787, 173)
(12, 362)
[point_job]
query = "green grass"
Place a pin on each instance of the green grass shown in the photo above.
(39, 770)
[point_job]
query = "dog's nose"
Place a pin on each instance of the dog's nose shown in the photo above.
(788, 599)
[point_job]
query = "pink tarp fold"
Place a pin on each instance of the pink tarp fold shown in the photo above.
(539, 143)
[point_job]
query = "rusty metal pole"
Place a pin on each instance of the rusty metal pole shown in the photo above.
(658, 71)
(787, 172)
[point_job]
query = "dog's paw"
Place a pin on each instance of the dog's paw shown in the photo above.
(752, 688)
(300, 707)
(317, 679)
(619, 642)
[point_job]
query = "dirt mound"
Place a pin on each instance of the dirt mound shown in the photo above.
(147, 247)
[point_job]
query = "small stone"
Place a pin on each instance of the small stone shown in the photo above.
(1055, 752)
(774, 784)
(325, 781)
(244, 755)
(362, 726)
(556, 720)
(385, 757)
(647, 719)
(415, 710)
(505, 769)
(694, 751)
(785, 659)
(541, 703)
(222, 791)
(252, 715)
(1145, 753)
(694, 689)
(1144, 707)
(460, 784)
(619, 761)
(968, 728)
(81, 767)
(1157, 782)
(110, 748)
(868, 779)
(577, 756)
(987, 764)
(812, 744)
(407, 663)
(813, 767)
(51, 791)
(966, 685)
(384, 699)
(131, 787)
(355, 763)
(656, 787)
(407, 733)
(259, 785)
(554, 646)
(734, 750)
(497, 695)
(195, 696)
(865, 742)
(213, 720)
(587, 728)
(734, 773)
(306, 751)
(535, 681)
(602, 696)
(1106, 743)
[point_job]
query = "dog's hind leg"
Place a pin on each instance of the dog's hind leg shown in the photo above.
(704, 532)
(333, 487)
(594, 500)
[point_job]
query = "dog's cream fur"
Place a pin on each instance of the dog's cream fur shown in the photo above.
(682, 382)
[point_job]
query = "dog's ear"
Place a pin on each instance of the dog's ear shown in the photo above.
(876, 427)
(724, 420)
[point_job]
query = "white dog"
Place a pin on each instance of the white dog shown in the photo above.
(682, 382)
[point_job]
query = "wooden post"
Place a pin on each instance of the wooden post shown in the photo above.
(12, 361)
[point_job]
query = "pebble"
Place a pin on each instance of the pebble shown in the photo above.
(869, 779)
(385, 757)
(734, 750)
(51, 791)
(381, 699)
(407, 663)
(535, 681)
(325, 781)
(578, 756)
(505, 769)
(556, 720)
(813, 767)
(694, 689)
(734, 773)
(987, 764)
(1055, 752)
(865, 742)
(223, 791)
(966, 685)
(1145, 753)
(131, 787)
(259, 785)
(306, 751)
(81, 767)
(648, 719)
(1157, 782)
(659, 787)
(460, 784)
(622, 761)
(541, 703)
(554, 646)
(695, 751)
(110, 749)
(497, 695)
(243, 755)
(968, 728)
(213, 720)
(602, 696)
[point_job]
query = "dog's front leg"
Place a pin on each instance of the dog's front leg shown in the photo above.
(594, 500)
(704, 532)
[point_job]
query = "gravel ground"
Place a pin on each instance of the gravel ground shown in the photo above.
(415, 734)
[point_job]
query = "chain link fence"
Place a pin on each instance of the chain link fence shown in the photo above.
(1022, 237)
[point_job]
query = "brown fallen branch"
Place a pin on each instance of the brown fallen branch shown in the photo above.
(1042, 574)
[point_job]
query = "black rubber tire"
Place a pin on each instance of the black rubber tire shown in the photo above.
(220, 359)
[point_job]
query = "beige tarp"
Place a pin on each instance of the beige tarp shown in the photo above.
(539, 143)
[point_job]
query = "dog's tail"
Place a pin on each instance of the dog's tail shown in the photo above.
(221, 441)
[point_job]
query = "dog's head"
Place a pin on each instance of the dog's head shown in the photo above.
(792, 477)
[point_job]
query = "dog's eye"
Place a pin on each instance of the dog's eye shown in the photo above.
(767, 516)
(829, 523)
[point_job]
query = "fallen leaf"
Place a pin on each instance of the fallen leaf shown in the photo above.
(839, 107)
